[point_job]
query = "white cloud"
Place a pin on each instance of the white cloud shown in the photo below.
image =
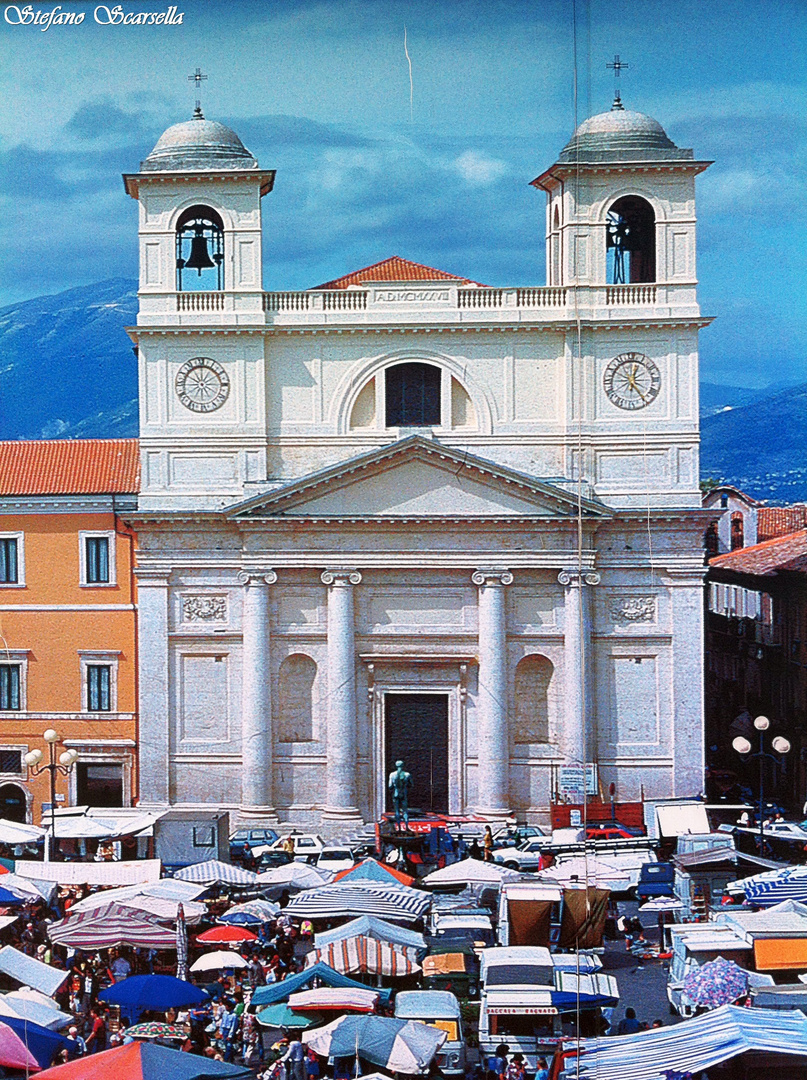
(475, 167)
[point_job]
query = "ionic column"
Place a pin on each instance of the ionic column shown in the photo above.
(577, 665)
(341, 800)
(256, 696)
(154, 710)
(492, 731)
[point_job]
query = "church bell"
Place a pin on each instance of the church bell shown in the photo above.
(199, 258)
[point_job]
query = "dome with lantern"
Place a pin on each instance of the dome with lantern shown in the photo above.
(621, 135)
(198, 144)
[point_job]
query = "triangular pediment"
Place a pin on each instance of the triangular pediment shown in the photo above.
(417, 478)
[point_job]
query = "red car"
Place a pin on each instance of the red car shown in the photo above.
(608, 832)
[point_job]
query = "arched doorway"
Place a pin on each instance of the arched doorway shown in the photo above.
(12, 803)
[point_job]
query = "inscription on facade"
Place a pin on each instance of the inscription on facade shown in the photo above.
(412, 296)
(204, 609)
(633, 609)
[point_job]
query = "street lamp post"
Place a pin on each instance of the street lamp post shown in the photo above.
(66, 762)
(743, 746)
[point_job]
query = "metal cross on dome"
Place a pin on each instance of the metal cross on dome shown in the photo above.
(617, 66)
(198, 78)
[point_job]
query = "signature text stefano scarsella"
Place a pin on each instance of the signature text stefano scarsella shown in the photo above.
(45, 18)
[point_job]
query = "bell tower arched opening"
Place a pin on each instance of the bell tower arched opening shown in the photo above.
(200, 250)
(631, 241)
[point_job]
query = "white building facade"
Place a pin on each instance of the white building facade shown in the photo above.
(406, 516)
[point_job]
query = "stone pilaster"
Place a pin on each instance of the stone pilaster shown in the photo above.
(154, 712)
(492, 731)
(256, 696)
(341, 797)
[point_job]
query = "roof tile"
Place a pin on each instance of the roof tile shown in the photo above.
(70, 467)
(781, 553)
(394, 269)
(775, 521)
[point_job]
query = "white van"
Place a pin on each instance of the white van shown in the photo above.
(440, 1009)
(516, 1003)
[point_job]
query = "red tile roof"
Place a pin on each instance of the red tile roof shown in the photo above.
(781, 553)
(394, 269)
(70, 467)
(779, 520)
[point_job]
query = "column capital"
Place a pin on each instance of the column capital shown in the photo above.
(256, 577)
(340, 579)
(492, 577)
(576, 578)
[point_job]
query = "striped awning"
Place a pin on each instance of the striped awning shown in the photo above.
(214, 872)
(697, 1044)
(362, 898)
(366, 956)
(112, 925)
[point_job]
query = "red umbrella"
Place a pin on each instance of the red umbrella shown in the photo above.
(144, 1061)
(14, 1054)
(226, 935)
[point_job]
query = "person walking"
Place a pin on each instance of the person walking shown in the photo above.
(295, 1060)
(487, 844)
(228, 1029)
(542, 1070)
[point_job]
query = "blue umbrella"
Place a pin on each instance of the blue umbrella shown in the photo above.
(159, 992)
(253, 913)
(399, 1045)
(8, 898)
(43, 1044)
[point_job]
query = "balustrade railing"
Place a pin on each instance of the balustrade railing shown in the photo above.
(480, 298)
(344, 300)
(541, 297)
(630, 294)
(200, 301)
(286, 301)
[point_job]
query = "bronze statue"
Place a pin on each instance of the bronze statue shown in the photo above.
(399, 782)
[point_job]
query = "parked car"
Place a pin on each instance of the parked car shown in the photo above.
(526, 856)
(335, 859)
(610, 832)
(656, 879)
(250, 838)
(512, 836)
(307, 846)
(271, 858)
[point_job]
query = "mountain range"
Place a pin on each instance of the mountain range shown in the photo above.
(68, 370)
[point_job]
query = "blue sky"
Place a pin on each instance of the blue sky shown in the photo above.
(320, 91)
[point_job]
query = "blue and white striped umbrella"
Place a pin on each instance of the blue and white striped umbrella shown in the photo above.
(362, 898)
(774, 886)
(253, 913)
(405, 1046)
(214, 872)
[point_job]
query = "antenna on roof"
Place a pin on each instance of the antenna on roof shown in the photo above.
(198, 78)
(617, 66)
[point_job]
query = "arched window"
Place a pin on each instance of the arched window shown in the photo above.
(533, 675)
(737, 531)
(200, 250)
(295, 693)
(631, 241)
(12, 803)
(412, 394)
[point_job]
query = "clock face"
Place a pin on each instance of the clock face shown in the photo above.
(202, 385)
(632, 381)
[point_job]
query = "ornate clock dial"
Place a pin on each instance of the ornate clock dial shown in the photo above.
(202, 385)
(632, 381)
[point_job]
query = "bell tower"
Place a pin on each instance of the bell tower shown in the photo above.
(200, 348)
(621, 205)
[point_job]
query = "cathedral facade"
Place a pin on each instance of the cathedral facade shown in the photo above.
(403, 515)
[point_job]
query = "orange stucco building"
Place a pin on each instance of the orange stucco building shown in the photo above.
(68, 620)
